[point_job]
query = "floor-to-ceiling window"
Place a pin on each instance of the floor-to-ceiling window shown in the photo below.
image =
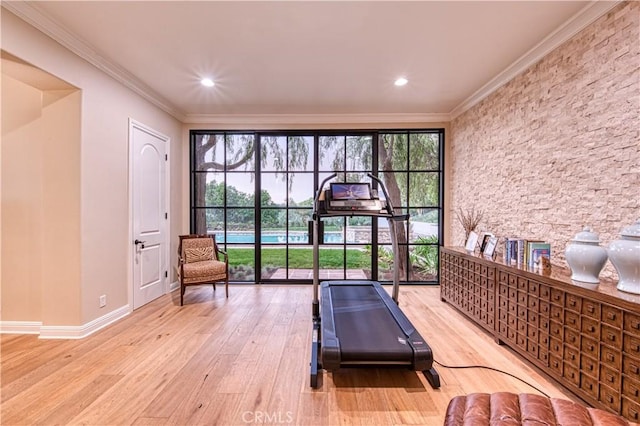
(254, 191)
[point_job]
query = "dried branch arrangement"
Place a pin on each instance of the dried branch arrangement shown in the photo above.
(469, 219)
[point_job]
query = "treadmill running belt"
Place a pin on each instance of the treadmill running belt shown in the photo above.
(368, 332)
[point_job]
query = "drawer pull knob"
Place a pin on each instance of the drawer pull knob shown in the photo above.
(610, 399)
(592, 329)
(612, 337)
(591, 347)
(610, 378)
(611, 315)
(610, 357)
(590, 309)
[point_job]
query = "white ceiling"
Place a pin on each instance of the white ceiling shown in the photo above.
(311, 58)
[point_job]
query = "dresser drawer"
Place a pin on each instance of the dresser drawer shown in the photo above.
(590, 327)
(573, 302)
(545, 307)
(610, 357)
(556, 313)
(589, 385)
(545, 292)
(609, 377)
(572, 356)
(590, 309)
(555, 364)
(630, 366)
(557, 297)
(532, 332)
(523, 284)
(503, 290)
(590, 347)
(555, 347)
(572, 319)
(612, 316)
(632, 323)
(611, 336)
(610, 398)
(543, 323)
(502, 315)
(572, 374)
(631, 410)
(555, 330)
(632, 345)
(491, 273)
(571, 337)
(589, 365)
(631, 388)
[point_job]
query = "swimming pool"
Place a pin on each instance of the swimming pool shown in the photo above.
(275, 237)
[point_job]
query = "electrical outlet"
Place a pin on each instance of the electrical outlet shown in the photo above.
(103, 300)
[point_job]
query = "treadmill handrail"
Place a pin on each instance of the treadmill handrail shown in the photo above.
(389, 206)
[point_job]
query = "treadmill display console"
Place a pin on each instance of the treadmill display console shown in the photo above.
(354, 196)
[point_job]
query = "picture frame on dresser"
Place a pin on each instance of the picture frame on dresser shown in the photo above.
(490, 248)
(472, 241)
(485, 240)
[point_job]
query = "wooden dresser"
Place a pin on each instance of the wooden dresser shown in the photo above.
(587, 338)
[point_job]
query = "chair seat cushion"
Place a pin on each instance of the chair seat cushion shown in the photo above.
(505, 408)
(208, 270)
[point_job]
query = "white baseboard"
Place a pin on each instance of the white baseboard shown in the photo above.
(63, 331)
(20, 327)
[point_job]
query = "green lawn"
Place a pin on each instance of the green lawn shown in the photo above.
(300, 258)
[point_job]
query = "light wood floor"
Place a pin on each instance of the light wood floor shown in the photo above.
(243, 360)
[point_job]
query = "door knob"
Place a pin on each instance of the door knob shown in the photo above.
(136, 242)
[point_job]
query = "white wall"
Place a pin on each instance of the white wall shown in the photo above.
(104, 227)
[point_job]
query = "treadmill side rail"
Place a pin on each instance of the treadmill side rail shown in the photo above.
(330, 358)
(314, 355)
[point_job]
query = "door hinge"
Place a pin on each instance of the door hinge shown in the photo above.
(166, 274)
(166, 215)
(166, 157)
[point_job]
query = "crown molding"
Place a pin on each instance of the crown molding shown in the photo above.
(32, 15)
(312, 119)
(578, 22)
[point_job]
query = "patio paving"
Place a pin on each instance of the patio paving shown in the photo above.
(325, 274)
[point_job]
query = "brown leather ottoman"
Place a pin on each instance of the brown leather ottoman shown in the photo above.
(506, 409)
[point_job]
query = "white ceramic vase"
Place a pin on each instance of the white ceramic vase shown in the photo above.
(625, 257)
(586, 257)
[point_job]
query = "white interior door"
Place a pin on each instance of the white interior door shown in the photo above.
(149, 214)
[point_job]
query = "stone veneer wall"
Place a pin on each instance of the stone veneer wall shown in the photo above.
(558, 147)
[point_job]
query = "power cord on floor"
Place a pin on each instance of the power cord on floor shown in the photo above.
(492, 369)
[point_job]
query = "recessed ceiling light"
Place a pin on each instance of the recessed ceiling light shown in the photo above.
(207, 82)
(401, 81)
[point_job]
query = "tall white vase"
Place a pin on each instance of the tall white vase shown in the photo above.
(625, 257)
(586, 257)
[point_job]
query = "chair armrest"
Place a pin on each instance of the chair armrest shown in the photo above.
(223, 253)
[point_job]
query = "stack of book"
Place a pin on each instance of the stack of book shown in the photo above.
(526, 252)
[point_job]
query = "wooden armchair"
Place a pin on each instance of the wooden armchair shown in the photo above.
(200, 261)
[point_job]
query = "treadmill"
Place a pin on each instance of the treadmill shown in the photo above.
(357, 323)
